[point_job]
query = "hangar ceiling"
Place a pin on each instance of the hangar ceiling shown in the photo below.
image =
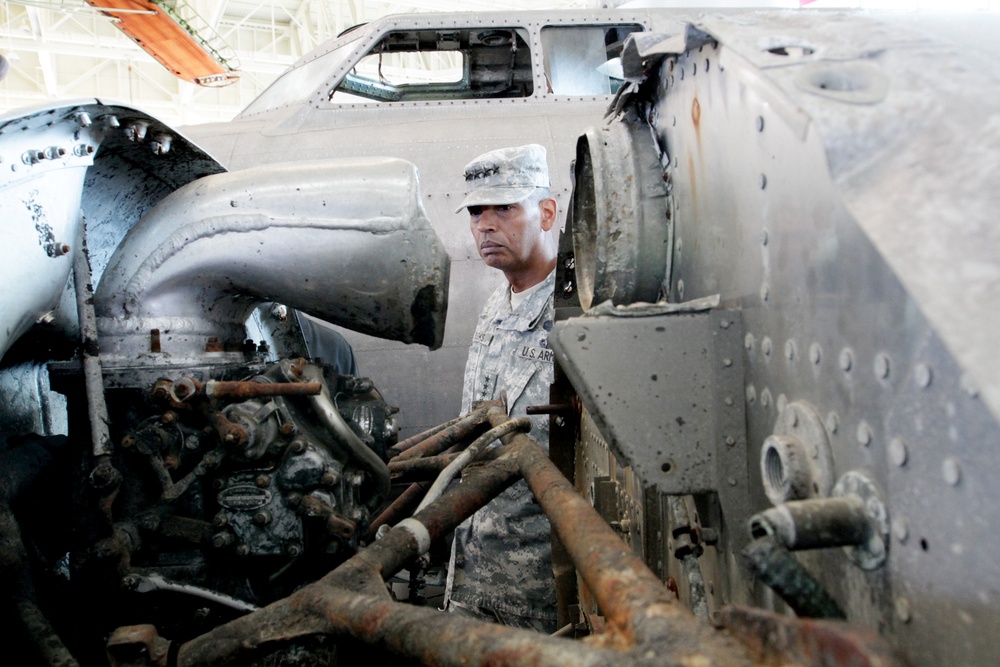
(64, 49)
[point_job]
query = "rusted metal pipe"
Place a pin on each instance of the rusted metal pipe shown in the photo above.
(241, 390)
(93, 375)
(450, 436)
(504, 427)
(420, 469)
(637, 606)
(335, 523)
(187, 387)
(400, 507)
(404, 445)
(818, 523)
(646, 627)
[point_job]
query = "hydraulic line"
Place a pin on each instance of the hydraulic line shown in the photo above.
(775, 565)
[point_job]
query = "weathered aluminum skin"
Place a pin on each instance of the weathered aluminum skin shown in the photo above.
(440, 137)
(343, 240)
(74, 161)
(829, 175)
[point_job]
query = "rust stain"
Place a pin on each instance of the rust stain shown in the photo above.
(696, 114)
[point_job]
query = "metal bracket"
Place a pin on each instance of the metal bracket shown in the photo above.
(679, 423)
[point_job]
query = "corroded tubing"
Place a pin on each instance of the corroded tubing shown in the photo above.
(447, 437)
(428, 467)
(93, 377)
(646, 627)
(230, 389)
(639, 610)
(401, 506)
(504, 427)
(403, 445)
(819, 523)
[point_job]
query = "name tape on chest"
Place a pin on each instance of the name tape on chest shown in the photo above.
(482, 337)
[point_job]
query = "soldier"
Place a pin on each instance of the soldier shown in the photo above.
(501, 565)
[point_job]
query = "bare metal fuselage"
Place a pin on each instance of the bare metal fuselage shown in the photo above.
(791, 213)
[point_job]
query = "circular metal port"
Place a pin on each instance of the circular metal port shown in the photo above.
(622, 237)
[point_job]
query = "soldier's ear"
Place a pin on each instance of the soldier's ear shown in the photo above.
(548, 209)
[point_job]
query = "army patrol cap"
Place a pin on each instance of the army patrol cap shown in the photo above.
(505, 176)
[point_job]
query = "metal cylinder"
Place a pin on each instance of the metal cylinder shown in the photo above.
(819, 523)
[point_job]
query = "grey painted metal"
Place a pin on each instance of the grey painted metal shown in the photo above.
(199, 262)
(670, 420)
(830, 179)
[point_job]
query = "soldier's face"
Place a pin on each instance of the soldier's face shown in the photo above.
(508, 236)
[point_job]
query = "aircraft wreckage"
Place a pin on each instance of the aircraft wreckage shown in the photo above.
(774, 421)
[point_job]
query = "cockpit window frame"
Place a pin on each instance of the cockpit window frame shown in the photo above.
(364, 38)
(508, 45)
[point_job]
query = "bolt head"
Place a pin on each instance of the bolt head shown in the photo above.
(846, 359)
(952, 471)
(882, 365)
(922, 375)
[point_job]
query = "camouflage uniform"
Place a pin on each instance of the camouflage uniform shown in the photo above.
(501, 558)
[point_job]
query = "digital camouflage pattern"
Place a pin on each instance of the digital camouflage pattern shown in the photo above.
(505, 175)
(501, 558)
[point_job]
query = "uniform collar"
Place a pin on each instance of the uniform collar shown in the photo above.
(531, 309)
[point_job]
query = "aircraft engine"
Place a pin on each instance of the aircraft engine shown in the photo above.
(172, 451)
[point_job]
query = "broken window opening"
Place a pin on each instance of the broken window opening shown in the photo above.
(425, 65)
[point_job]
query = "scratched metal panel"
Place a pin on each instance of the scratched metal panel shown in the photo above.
(68, 160)
(906, 108)
(835, 306)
